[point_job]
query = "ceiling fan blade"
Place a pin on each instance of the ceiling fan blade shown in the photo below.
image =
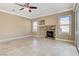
(21, 9)
(25, 4)
(19, 4)
(33, 7)
(30, 11)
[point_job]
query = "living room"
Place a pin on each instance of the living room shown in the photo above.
(38, 29)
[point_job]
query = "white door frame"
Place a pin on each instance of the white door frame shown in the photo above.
(76, 8)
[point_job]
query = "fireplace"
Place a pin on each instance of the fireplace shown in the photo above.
(47, 31)
(50, 34)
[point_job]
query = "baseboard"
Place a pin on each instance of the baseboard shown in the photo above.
(13, 38)
(72, 41)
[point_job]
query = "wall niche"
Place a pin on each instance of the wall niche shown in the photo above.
(42, 22)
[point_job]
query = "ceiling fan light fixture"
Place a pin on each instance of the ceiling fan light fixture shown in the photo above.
(24, 8)
(27, 9)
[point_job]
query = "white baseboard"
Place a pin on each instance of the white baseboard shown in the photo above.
(13, 38)
(72, 41)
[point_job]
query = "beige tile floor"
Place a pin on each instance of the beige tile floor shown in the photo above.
(35, 46)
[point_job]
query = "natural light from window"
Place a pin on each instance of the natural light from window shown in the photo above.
(65, 24)
(34, 26)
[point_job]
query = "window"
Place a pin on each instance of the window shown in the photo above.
(34, 26)
(64, 24)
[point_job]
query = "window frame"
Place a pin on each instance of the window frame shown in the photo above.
(70, 21)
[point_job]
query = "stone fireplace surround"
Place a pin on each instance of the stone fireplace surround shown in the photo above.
(45, 28)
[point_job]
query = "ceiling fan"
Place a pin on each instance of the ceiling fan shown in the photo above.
(26, 6)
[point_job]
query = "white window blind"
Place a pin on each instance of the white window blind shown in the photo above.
(64, 24)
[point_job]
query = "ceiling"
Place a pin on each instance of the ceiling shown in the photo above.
(44, 9)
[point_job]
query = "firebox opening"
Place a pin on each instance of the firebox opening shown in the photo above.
(50, 34)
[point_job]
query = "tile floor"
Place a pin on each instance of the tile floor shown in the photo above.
(35, 46)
